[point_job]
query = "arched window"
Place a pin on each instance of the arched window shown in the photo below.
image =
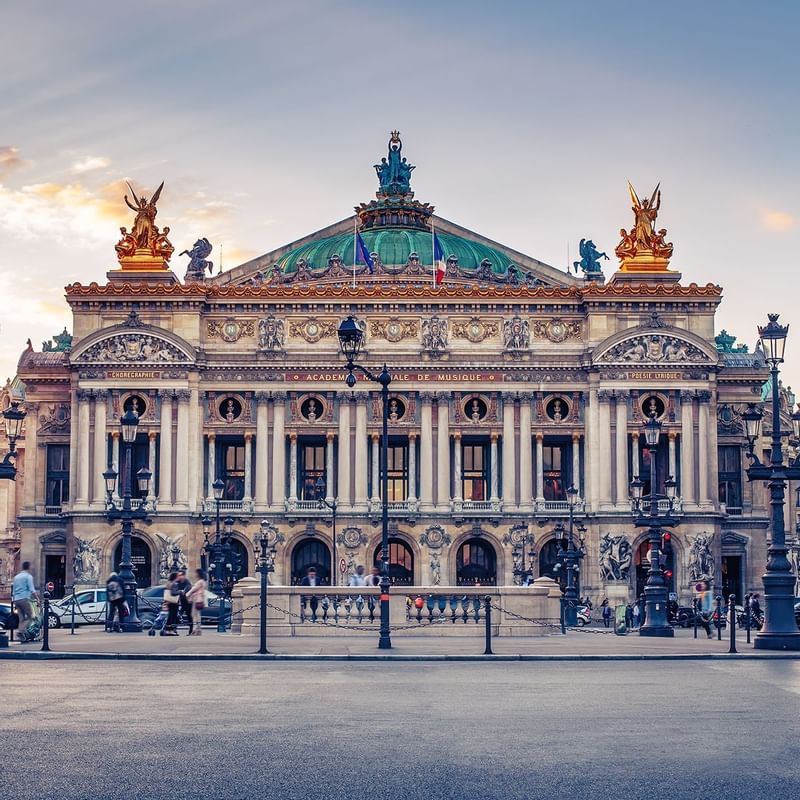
(401, 562)
(141, 558)
(550, 564)
(311, 553)
(476, 564)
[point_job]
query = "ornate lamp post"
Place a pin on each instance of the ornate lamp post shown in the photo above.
(266, 564)
(217, 560)
(319, 489)
(655, 590)
(127, 514)
(13, 417)
(522, 569)
(571, 557)
(351, 338)
(779, 631)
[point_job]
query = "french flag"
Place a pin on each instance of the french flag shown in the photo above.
(438, 261)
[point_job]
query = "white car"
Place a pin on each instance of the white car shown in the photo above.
(90, 608)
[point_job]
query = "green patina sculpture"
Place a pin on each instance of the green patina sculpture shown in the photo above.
(590, 258)
(60, 343)
(394, 172)
(725, 343)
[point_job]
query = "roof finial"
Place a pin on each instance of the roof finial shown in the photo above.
(394, 172)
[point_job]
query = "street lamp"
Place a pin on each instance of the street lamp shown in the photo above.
(655, 590)
(266, 564)
(13, 417)
(351, 338)
(323, 502)
(522, 570)
(779, 631)
(571, 557)
(129, 423)
(216, 556)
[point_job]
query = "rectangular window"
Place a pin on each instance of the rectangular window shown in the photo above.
(397, 458)
(645, 465)
(57, 475)
(231, 462)
(311, 467)
(555, 462)
(730, 477)
(475, 470)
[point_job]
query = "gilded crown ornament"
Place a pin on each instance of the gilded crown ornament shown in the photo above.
(643, 249)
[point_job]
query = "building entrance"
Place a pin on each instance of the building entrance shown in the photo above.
(142, 560)
(732, 577)
(55, 570)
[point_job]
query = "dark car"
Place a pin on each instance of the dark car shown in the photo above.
(797, 611)
(682, 617)
(5, 613)
(150, 601)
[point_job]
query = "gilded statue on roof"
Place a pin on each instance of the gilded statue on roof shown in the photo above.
(145, 241)
(644, 246)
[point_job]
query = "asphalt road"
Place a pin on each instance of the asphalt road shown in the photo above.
(402, 730)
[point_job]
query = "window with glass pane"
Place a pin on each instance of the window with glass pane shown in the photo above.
(645, 463)
(475, 470)
(140, 457)
(57, 475)
(730, 476)
(232, 472)
(554, 463)
(397, 459)
(311, 455)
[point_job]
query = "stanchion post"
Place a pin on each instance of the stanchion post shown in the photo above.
(748, 620)
(487, 605)
(562, 620)
(732, 621)
(72, 620)
(46, 624)
(719, 618)
(694, 616)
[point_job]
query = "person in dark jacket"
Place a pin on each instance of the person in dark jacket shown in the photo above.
(115, 591)
(183, 585)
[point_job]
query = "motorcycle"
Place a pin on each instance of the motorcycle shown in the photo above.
(584, 616)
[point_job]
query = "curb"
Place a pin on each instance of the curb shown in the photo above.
(38, 655)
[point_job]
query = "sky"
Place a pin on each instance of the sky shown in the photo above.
(525, 121)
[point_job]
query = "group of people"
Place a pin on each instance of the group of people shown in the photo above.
(358, 578)
(184, 598)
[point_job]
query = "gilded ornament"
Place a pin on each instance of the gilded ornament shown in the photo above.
(145, 247)
(557, 330)
(643, 249)
(474, 330)
(313, 329)
(394, 329)
(230, 330)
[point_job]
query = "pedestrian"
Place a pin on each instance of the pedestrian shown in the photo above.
(358, 578)
(172, 601)
(196, 596)
(705, 606)
(310, 579)
(755, 609)
(183, 585)
(629, 616)
(635, 614)
(115, 592)
(375, 578)
(642, 610)
(23, 595)
(606, 613)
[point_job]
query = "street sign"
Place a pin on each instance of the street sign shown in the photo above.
(50, 586)
(342, 566)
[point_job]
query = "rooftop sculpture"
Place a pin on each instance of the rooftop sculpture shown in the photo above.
(145, 247)
(643, 249)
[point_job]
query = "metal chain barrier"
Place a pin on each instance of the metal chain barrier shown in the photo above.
(543, 624)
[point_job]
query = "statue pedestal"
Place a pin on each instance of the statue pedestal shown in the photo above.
(143, 260)
(645, 263)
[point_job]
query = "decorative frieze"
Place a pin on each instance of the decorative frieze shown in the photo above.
(313, 329)
(394, 329)
(133, 348)
(230, 330)
(474, 330)
(557, 330)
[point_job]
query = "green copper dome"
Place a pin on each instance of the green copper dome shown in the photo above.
(394, 245)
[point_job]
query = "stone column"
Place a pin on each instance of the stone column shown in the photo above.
(292, 470)
(115, 461)
(73, 455)
(82, 498)
(196, 417)
(279, 451)
(376, 475)
(247, 499)
(184, 397)
(673, 465)
(576, 464)
(539, 468)
(165, 460)
(212, 464)
(494, 472)
(458, 495)
(525, 456)
(592, 445)
(345, 499)
(443, 454)
(635, 454)
(687, 489)
(100, 448)
(329, 466)
(426, 453)
(412, 470)
(604, 443)
(509, 455)
(29, 472)
(262, 451)
(703, 449)
(151, 465)
(362, 474)
(622, 451)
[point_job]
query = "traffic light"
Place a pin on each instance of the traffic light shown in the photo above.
(666, 554)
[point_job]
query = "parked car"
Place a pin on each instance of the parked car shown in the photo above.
(150, 601)
(682, 617)
(797, 611)
(5, 613)
(89, 604)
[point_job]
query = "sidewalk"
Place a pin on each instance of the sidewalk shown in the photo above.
(585, 644)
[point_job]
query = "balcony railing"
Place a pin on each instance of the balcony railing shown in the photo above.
(559, 506)
(227, 506)
(52, 511)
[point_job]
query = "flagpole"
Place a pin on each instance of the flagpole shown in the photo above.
(433, 251)
(355, 247)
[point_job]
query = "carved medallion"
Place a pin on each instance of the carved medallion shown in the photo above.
(474, 330)
(557, 330)
(434, 537)
(352, 538)
(394, 329)
(230, 330)
(313, 329)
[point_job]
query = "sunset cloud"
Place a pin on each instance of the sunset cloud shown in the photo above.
(89, 164)
(9, 160)
(778, 221)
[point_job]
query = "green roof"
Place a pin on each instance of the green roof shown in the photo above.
(393, 246)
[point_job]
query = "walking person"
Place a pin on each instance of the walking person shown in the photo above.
(23, 594)
(115, 592)
(375, 578)
(172, 601)
(358, 578)
(705, 605)
(196, 596)
(635, 614)
(606, 613)
(629, 616)
(756, 616)
(183, 585)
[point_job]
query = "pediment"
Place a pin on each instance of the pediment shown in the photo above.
(654, 346)
(133, 344)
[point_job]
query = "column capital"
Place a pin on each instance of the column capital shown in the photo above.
(672, 435)
(115, 435)
(525, 397)
(151, 435)
(165, 394)
(279, 397)
(293, 437)
(456, 435)
(412, 435)
(426, 397)
(704, 396)
(261, 397)
(100, 395)
(84, 395)
(330, 436)
(183, 395)
(211, 436)
(539, 436)
(375, 437)
(493, 437)
(248, 436)
(576, 436)
(361, 399)
(604, 395)
(635, 434)
(686, 396)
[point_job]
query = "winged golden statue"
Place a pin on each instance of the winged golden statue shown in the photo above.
(144, 226)
(643, 243)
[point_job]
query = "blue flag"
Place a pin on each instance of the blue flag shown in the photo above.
(362, 254)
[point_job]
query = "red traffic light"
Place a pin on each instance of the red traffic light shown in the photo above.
(668, 573)
(666, 537)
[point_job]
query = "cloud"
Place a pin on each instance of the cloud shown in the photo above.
(9, 160)
(89, 164)
(779, 221)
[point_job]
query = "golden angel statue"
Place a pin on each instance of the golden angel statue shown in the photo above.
(645, 213)
(643, 244)
(144, 227)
